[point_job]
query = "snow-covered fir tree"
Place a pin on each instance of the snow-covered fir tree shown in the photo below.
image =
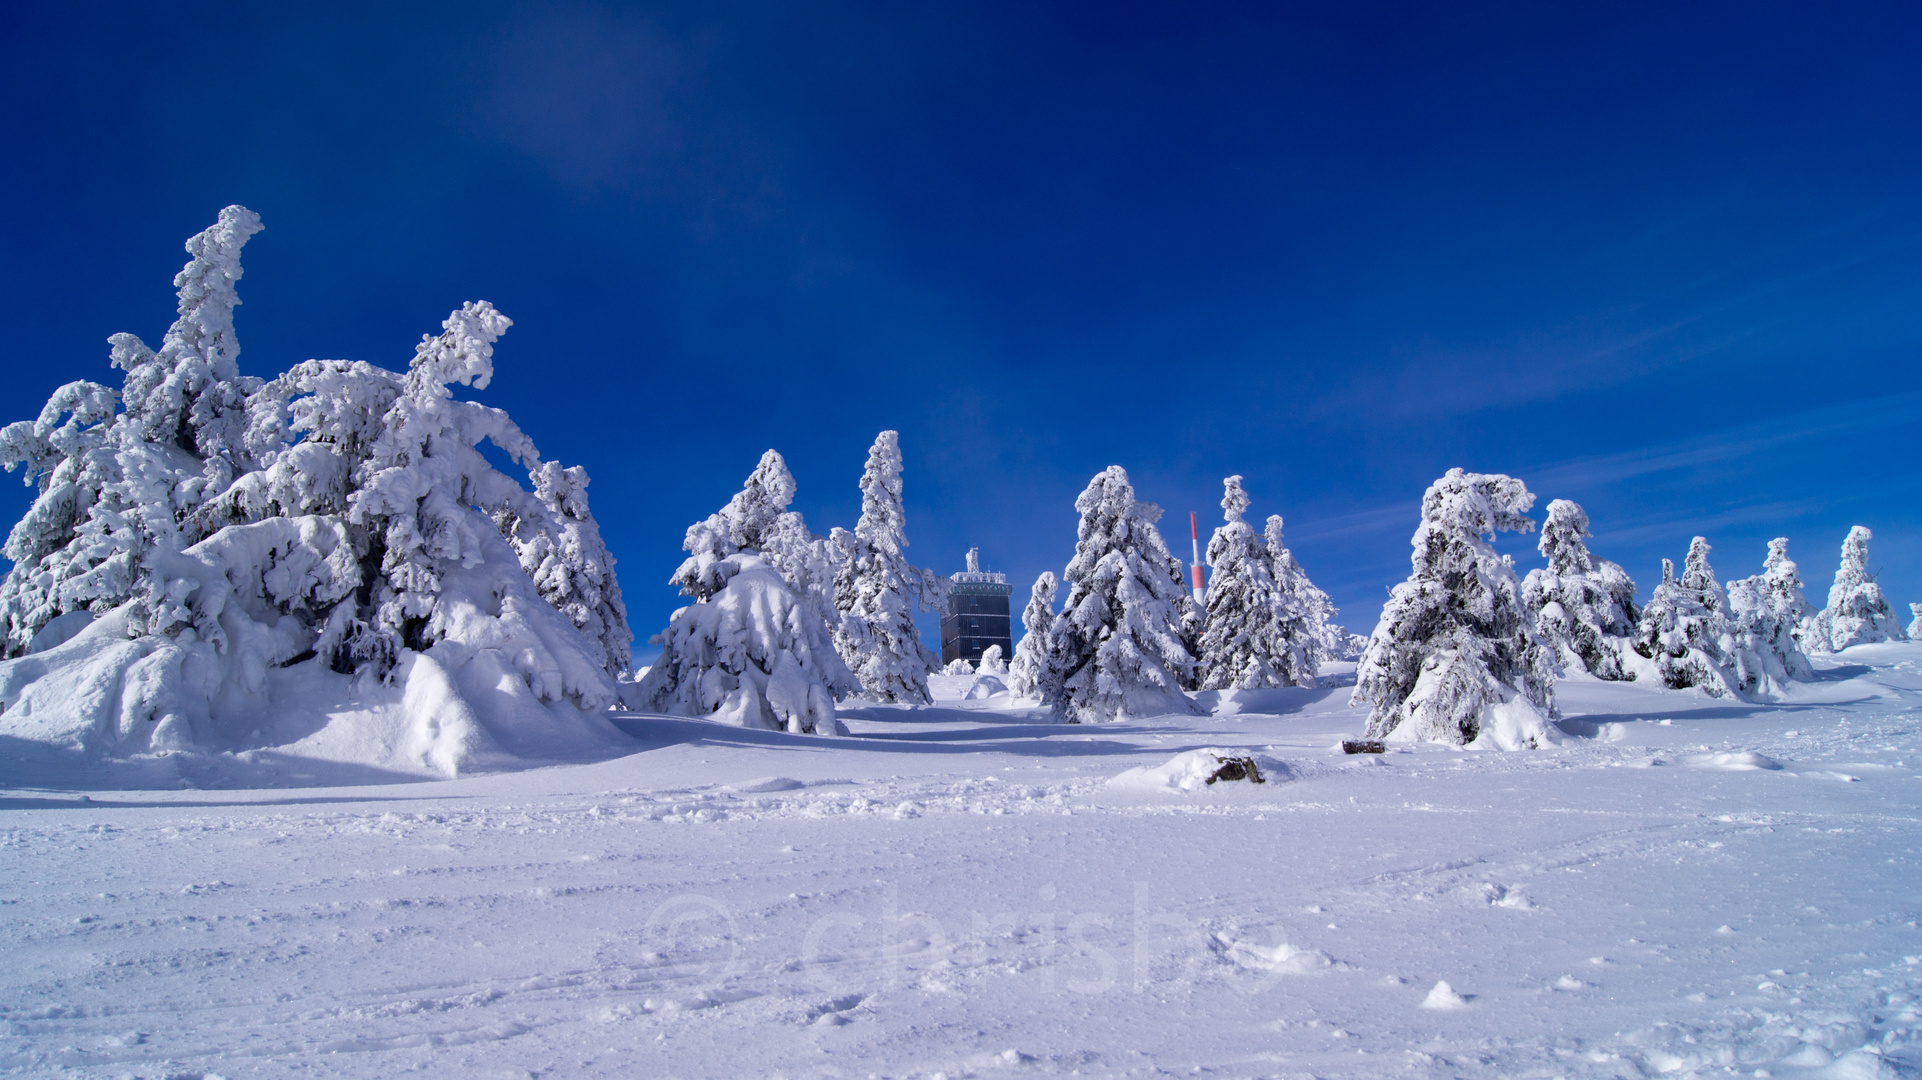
(741, 525)
(1308, 617)
(877, 591)
(1455, 658)
(1031, 656)
(1915, 622)
(113, 487)
(750, 654)
(752, 649)
(1857, 612)
(1685, 633)
(1244, 641)
(570, 564)
(1584, 606)
(809, 563)
(991, 661)
(1117, 648)
(236, 547)
(1767, 611)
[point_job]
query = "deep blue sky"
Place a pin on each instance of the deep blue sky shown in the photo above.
(1664, 262)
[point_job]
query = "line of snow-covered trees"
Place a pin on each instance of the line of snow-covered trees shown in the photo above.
(785, 623)
(219, 561)
(1466, 652)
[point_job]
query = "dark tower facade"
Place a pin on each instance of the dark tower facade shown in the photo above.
(977, 614)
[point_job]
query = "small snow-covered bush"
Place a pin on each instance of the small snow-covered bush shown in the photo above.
(1118, 649)
(265, 562)
(1455, 658)
(991, 662)
(1685, 633)
(1857, 613)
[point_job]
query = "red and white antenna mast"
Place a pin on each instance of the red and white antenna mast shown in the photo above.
(1194, 568)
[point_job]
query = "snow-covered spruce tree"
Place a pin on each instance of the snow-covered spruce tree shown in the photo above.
(1116, 650)
(1685, 632)
(751, 650)
(877, 592)
(1244, 643)
(1455, 658)
(1766, 611)
(1584, 606)
(1308, 618)
(1857, 612)
(1915, 622)
(1031, 655)
(247, 545)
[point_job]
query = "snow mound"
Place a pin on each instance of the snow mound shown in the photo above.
(985, 687)
(1197, 770)
(493, 694)
(1443, 996)
(1732, 761)
(765, 784)
(1282, 959)
(1863, 1064)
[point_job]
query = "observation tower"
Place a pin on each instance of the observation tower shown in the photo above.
(977, 614)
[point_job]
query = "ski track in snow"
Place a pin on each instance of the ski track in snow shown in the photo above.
(960, 891)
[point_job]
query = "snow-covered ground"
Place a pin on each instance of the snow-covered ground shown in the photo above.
(1692, 887)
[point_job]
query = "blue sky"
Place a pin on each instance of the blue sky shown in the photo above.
(1664, 260)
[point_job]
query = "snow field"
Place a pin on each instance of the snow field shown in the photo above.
(962, 890)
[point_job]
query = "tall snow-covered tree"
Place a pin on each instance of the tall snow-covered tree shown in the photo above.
(752, 649)
(241, 541)
(1857, 613)
(1766, 612)
(1117, 648)
(1915, 622)
(1584, 606)
(1455, 658)
(1244, 641)
(1308, 617)
(1685, 632)
(114, 487)
(1031, 655)
(877, 592)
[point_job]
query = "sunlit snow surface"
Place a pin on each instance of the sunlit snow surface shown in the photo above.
(1689, 887)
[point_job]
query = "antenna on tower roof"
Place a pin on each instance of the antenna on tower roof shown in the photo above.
(1194, 568)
